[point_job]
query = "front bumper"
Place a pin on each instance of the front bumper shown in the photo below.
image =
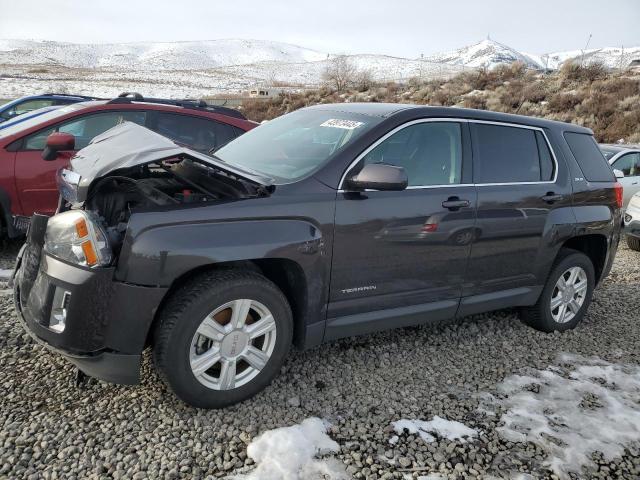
(106, 322)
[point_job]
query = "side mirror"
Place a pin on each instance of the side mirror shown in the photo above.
(618, 173)
(57, 142)
(378, 176)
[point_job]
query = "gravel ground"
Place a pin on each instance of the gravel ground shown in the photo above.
(51, 429)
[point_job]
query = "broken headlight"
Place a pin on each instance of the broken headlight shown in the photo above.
(77, 237)
(68, 182)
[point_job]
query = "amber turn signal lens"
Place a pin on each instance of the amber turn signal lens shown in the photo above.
(81, 228)
(89, 253)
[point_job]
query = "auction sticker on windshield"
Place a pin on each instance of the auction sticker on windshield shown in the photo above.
(339, 123)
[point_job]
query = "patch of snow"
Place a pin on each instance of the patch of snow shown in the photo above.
(289, 453)
(449, 429)
(393, 440)
(586, 405)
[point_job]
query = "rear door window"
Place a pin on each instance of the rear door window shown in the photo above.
(201, 134)
(25, 107)
(594, 166)
(505, 154)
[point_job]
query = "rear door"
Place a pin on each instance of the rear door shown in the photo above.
(35, 177)
(399, 254)
(629, 164)
(519, 186)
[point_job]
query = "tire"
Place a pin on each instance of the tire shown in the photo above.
(633, 243)
(541, 316)
(178, 343)
(463, 237)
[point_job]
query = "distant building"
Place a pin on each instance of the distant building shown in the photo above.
(263, 93)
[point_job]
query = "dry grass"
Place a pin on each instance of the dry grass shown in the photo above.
(607, 102)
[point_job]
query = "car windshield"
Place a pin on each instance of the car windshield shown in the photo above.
(18, 123)
(295, 145)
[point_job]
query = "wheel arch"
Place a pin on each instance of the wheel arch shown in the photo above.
(286, 274)
(595, 246)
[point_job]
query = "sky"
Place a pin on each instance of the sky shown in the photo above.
(406, 28)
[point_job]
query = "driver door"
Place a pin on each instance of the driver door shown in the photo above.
(36, 178)
(400, 257)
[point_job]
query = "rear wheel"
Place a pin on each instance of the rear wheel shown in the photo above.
(633, 243)
(222, 338)
(566, 295)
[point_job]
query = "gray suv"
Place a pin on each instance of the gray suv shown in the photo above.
(331, 221)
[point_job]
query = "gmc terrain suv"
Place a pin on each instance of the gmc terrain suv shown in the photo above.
(31, 151)
(331, 221)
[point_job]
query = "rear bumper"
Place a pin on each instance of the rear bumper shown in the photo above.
(105, 321)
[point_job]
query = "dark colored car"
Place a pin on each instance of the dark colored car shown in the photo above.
(30, 103)
(221, 263)
(28, 182)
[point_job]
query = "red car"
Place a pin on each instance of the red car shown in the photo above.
(28, 181)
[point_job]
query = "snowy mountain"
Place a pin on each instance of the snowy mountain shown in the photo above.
(488, 53)
(154, 56)
(213, 54)
(611, 57)
(232, 66)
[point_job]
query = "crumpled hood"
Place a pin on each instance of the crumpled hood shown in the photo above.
(129, 144)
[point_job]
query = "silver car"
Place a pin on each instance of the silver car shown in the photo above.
(626, 159)
(632, 222)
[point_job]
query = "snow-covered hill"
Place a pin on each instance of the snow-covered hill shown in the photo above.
(488, 53)
(205, 68)
(154, 56)
(611, 57)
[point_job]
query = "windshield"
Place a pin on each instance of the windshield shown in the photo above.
(18, 123)
(295, 145)
(609, 152)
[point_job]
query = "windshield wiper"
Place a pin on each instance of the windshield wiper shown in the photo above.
(213, 150)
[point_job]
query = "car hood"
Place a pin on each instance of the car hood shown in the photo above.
(129, 144)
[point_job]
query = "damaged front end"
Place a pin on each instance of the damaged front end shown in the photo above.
(132, 169)
(65, 290)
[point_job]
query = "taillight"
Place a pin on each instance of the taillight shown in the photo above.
(618, 189)
(429, 227)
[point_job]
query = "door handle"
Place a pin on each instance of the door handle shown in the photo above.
(551, 197)
(455, 203)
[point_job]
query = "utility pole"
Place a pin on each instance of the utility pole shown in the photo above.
(585, 48)
(622, 58)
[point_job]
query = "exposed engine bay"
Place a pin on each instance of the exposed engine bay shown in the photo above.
(164, 184)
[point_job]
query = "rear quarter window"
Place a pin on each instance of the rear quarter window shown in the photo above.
(594, 166)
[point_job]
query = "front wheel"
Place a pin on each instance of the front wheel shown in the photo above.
(222, 338)
(566, 295)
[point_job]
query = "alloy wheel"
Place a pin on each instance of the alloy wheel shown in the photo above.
(232, 344)
(569, 294)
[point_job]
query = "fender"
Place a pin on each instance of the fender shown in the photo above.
(158, 255)
(567, 223)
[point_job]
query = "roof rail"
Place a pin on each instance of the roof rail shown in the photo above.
(130, 97)
(71, 95)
